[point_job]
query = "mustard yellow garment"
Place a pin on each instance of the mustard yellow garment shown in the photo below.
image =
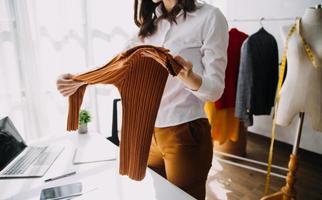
(224, 124)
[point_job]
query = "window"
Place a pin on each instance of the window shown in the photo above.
(41, 39)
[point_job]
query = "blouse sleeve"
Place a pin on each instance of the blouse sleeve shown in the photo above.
(214, 57)
(132, 42)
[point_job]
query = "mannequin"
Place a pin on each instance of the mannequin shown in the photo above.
(302, 88)
(301, 91)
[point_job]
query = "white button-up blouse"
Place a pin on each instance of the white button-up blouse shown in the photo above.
(202, 39)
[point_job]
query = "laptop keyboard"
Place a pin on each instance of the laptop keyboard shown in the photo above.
(22, 164)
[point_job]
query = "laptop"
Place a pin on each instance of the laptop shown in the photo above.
(17, 159)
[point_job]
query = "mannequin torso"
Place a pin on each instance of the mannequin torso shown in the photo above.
(302, 88)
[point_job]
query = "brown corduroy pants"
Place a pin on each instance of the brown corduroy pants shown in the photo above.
(183, 154)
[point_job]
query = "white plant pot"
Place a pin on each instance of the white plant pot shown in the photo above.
(82, 129)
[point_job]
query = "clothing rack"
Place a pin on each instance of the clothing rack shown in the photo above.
(264, 19)
(248, 166)
(217, 154)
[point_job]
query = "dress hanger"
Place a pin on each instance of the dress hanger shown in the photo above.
(261, 22)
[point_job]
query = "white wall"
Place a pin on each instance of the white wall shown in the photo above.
(254, 9)
(221, 4)
(245, 9)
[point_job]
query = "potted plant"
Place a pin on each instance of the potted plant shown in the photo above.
(84, 118)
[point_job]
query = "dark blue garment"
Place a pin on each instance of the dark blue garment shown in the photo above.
(258, 76)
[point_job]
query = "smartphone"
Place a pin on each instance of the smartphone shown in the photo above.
(61, 192)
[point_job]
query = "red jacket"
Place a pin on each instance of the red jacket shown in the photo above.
(236, 39)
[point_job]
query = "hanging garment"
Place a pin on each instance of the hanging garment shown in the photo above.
(140, 81)
(257, 79)
(228, 98)
(224, 124)
(245, 80)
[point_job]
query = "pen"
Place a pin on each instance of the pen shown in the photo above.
(61, 176)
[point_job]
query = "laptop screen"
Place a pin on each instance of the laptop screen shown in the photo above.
(11, 143)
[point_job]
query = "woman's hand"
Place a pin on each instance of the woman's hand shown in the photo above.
(66, 85)
(187, 67)
(189, 78)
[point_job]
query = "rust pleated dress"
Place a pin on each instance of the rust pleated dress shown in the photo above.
(140, 80)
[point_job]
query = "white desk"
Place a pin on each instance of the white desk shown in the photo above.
(103, 176)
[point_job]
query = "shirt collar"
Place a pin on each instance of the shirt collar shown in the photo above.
(158, 10)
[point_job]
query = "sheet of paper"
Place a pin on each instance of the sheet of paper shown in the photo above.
(94, 152)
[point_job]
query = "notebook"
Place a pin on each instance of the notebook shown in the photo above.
(95, 152)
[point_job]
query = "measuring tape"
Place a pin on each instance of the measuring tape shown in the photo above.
(312, 58)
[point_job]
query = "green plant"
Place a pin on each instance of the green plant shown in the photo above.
(84, 117)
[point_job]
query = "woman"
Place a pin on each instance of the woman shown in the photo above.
(197, 34)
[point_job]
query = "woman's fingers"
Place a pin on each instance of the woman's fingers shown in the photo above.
(67, 91)
(66, 85)
(69, 87)
(185, 64)
(67, 76)
(179, 59)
